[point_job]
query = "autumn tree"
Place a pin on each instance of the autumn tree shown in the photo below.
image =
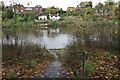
(99, 9)
(7, 14)
(51, 10)
(109, 8)
(61, 12)
(86, 9)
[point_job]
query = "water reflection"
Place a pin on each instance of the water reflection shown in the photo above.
(50, 38)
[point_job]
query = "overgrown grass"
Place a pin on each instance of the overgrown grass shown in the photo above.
(21, 58)
(59, 54)
(94, 33)
(97, 64)
(91, 36)
(12, 22)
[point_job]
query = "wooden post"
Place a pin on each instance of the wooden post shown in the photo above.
(83, 65)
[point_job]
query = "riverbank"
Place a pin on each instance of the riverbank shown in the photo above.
(69, 21)
(41, 23)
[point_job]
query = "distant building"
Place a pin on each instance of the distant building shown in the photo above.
(20, 8)
(58, 9)
(54, 17)
(71, 8)
(28, 10)
(38, 9)
(42, 17)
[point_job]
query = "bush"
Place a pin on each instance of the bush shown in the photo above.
(89, 66)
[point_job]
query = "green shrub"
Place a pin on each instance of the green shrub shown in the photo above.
(89, 66)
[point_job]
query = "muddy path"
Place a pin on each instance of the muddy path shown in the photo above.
(54, 70)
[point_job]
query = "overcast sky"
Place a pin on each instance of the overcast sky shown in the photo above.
(57, 3)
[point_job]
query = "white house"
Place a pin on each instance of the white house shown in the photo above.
(43, 17)
(54, 17)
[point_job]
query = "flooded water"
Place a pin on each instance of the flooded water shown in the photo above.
(57, 38)
(51, 38)
(54, 70)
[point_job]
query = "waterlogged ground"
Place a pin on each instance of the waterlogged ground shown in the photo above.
(54, 70)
